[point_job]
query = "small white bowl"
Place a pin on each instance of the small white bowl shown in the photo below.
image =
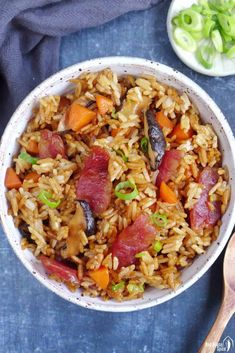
(58, 84)
(222, 65)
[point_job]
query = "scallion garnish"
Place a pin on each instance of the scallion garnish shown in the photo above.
(157, 246)
(159, 220)
(206, 54)
(118, 286)
(209, 19)
(135, 288)
(184, 39)
(231, 52)
(28, 158)
(124, 185)
(47, 198)
(222, 5)
(139, 255)
(191, 20)
(217, 40)
(207, 28)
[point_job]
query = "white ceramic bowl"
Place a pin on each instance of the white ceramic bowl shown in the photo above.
(58, 84)
(222, 65)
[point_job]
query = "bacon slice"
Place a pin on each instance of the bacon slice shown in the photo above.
(54, 267)
(50, 145)
(168, 167)
(94, 185)
(133, 239)
(201, 215)
(215, 214)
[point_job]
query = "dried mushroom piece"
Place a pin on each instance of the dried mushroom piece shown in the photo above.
(157, 142)
(90, 220)
(82, 220)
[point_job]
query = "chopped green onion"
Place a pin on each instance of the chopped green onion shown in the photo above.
(135, 288)
(116, 287)
(221, 5)
(227, 23)
(207, 28)
(121, 154)
(159, 220)
(139, 255)
(126, 185)
(28, 158)
(224, 22)
(197, 35)
(205, 55)
(176, 21)
(231, 52)
(46, 198)
(184, 39)
(144, 144)
(157, 246)
(217, 40)
(191, 20)
(197, 8)
(228, 46)
(213, 20)
(225, 36)
(114, 114)
(204, 3)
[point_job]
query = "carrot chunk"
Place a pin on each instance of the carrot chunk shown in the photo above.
(163, 120)
(114, 132)
(79, 116)
(167, 194)
(61, 271)
(12, 181)
(32, 147)
(32, 176)
(180, 134)
(100, 276)
(104, 104)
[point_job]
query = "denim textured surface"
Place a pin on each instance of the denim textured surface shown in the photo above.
(34, 320)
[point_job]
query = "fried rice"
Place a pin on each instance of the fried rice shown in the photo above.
(46, 230)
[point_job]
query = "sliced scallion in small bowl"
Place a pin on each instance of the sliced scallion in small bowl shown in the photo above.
(206, 29)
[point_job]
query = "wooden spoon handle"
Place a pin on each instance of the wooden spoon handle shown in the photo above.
(224, 315)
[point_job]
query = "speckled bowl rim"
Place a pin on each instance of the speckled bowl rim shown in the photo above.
(107, 62)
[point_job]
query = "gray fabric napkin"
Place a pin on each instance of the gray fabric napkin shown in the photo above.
(30, 33)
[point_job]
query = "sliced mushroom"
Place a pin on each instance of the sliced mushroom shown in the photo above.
(82, 220)
(91, 104)
(90, 220)
(24, 231)
(78, 221)
(157, 142)
(62, 126)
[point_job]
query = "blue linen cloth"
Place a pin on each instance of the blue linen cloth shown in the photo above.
(30, 33)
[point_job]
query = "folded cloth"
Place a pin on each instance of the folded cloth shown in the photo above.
(30, 33)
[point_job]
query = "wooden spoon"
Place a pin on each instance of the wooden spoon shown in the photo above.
(228, 304)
